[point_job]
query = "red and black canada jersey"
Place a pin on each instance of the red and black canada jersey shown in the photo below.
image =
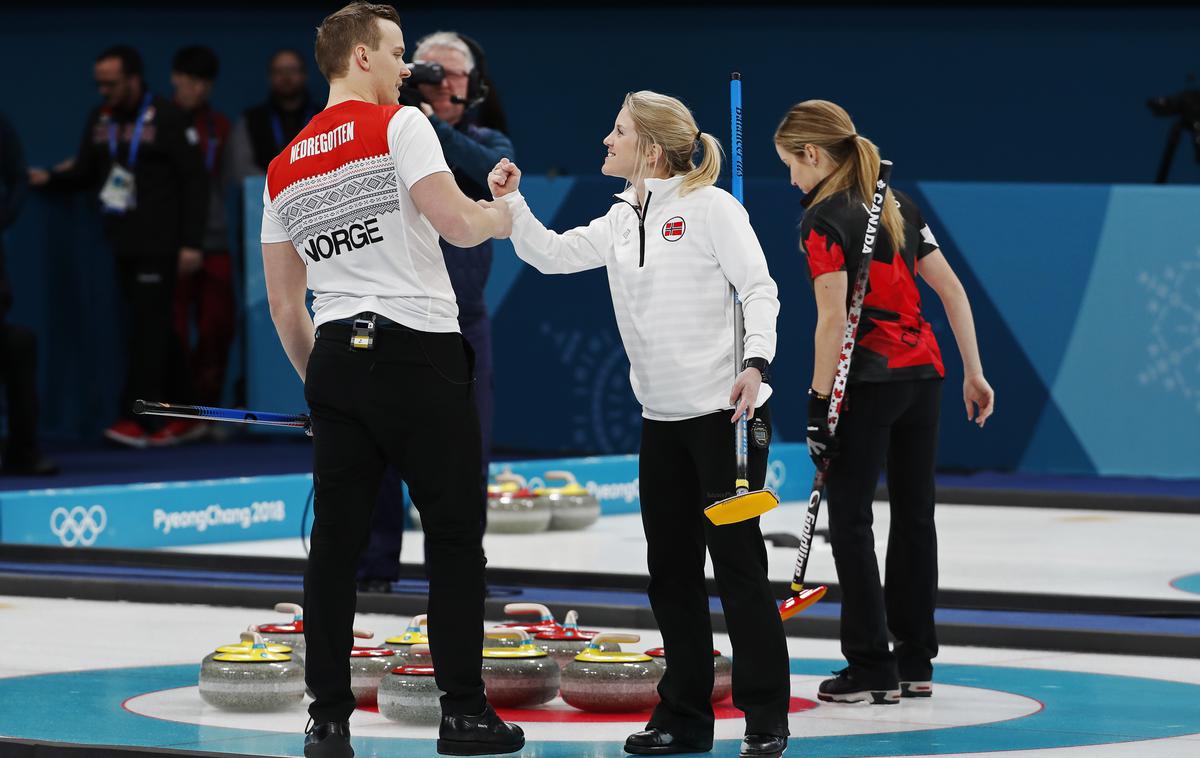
(894, 342)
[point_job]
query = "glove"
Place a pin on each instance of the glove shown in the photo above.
(822, 446)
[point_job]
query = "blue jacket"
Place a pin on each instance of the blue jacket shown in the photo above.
(471, 151)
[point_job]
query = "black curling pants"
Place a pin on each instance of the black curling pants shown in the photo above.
(407, 403)
(685, 466)
(894, 423)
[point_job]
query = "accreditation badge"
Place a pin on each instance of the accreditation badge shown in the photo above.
(119, 193)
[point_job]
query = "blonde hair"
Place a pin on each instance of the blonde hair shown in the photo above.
(664, 121)
(827, 126)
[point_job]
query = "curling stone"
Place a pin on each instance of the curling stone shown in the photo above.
(513, 509)
(415, 634)
(722, 672)
(247, 644)
(544, 623)
(368, 665)
(612, 682)
(568, 641)
(571, 505)
(409, 694)
(516, 677)
(290, 634)
(252, 679)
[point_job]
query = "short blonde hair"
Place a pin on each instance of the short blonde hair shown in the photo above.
(341, 30)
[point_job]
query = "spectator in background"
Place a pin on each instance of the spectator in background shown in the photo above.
(135, 152)
(18, 345)
(265, 129)
(204, 289)
(471, 150)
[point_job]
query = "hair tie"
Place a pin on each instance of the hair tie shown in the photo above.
(852, 138)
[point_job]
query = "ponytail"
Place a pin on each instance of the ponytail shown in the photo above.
(866, 172)
(709, 170)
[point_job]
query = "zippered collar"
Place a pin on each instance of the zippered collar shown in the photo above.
(662, 189)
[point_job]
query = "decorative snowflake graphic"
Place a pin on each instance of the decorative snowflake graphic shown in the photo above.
(605, 417)
(1174, 347)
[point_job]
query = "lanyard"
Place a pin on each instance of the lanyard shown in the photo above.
(211, 144)
(277, 125)
(137, 134)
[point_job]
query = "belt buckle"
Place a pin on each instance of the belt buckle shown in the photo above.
(362, 334)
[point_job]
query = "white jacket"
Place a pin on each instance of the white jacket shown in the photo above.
(669, 279)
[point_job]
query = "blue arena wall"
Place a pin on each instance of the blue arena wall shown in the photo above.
(1086, 301)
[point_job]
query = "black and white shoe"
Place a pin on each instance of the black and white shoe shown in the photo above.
(329, 739)
(483, 734)
(916, 689)
(845, 687)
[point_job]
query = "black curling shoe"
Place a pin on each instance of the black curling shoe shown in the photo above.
(763, 746)
(846, 687)
(660, 742)
(329, 739)
(484, 734)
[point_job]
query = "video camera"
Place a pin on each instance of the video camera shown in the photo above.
(422, 73)
(1185, 108)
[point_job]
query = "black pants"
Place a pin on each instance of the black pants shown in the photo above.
(381, 559)
(406, 403)
(18, 371)
(685, 466)
(148, 285)
(896, 423)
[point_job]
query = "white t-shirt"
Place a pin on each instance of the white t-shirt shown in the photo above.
(339, 193)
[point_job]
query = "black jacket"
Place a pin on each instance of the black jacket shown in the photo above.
(171, 186)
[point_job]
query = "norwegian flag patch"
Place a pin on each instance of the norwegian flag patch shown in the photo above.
(672, 231)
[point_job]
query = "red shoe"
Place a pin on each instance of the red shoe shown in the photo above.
(177, 432)
(127, 432)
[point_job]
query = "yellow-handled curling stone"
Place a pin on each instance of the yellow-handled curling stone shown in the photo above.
(571, 505)
(520, 676)
(613, 682)
(249, 677)
(415, 634)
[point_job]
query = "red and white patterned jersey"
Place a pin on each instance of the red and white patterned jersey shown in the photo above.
(339, 192)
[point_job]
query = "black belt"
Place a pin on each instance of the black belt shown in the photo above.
(353, 330)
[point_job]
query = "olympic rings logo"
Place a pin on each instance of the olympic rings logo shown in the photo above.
(79, 525)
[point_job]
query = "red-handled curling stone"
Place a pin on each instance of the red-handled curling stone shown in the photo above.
(409, 694)
(368, 666)
(513, 509)
(568, 641)
(286, 633)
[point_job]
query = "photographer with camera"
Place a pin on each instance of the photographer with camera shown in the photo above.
(449, 83)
